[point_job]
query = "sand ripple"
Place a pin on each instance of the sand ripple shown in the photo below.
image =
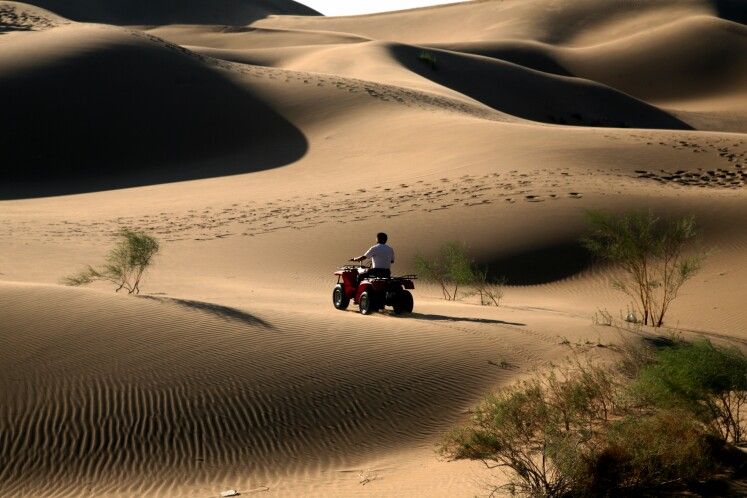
(107, 394)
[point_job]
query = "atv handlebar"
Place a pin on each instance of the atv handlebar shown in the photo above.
(353, 267)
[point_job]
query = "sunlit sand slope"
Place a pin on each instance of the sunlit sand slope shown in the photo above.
(139, 395)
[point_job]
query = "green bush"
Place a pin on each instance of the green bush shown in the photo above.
(577, 432)
(707, 380)
(451, 268)
(643, 452)
(428, 59)
(489, 290)
(125, 264)
(651, 254)
(538, 429)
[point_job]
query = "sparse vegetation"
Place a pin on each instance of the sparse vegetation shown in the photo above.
(453, 269)
(603, 317)
(428, 59)
(489, 290)
(536, 428)
(709, 381)
(125, 264)
(584, 430)
(647, 451)
(651, 254)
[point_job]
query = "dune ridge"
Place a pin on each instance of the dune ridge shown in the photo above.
(137, 12)
(16, 16)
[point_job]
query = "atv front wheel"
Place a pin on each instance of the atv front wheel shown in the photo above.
(366, 303)
(403, 303)
(339, 298)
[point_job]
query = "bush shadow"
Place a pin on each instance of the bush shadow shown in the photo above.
(448, 318)
(217, 310)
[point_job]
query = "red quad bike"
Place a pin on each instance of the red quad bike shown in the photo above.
(372, 293)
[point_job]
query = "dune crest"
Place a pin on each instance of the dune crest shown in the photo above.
(139, 12)
(17, 16)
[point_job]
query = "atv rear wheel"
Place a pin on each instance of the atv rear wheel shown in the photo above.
(366, 303)
(339, 298)
(404, 303)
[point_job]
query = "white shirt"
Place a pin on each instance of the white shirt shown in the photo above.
(382, 256)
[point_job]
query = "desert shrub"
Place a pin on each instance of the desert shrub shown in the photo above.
(571, 432)
(125, 265)
(709, 381)
(643, 452)
(537, 428)
(651, 254)
(490, 290)
(450, 269)
(635, 355)
(428, 59)
(453, 270)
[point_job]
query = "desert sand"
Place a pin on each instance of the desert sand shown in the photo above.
(264, 145)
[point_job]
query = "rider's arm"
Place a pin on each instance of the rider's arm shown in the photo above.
(367, 254)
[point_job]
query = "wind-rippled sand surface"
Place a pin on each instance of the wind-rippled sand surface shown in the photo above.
(264, 146)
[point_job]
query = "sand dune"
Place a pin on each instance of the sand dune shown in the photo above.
(129, 12)
(692, 57)
(175, 116)
(263, 151)
(240, 37)
(520, 91)
(576, 23)
(155, 390)
(688, 57)
(536, 95)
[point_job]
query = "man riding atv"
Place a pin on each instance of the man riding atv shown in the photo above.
(373, 288)
(382, 258)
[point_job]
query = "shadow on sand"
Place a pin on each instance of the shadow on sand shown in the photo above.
(515, 89)
(130, 114)
(446, 318)
(217, 310)
(159, 12)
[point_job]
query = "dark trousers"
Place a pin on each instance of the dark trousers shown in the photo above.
(379, 272)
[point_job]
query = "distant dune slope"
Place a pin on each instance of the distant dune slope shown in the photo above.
(126, 105)
(249, 37)
(535, 95)
(129, 12)
(576, 23)
(690, 57)
(509, 88)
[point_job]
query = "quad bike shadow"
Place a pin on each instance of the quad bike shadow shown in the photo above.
(372, 293)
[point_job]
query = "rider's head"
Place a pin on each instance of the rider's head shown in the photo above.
(381, 238)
